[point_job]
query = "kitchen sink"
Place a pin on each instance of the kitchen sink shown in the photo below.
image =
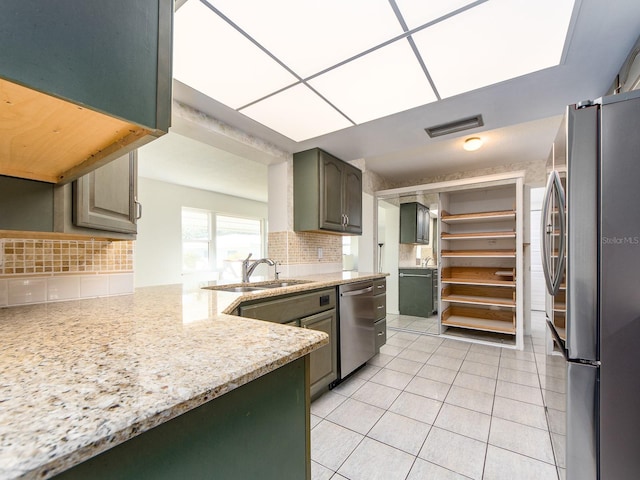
(236, 289)
(257, 286)
(286, 283)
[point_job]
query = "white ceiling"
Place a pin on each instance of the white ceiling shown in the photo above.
(521, 114)
(337, 63)
(174, 158)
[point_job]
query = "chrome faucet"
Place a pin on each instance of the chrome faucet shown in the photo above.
(247, 269)
(426, 261)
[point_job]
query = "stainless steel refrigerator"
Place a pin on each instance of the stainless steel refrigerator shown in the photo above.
(591, 220)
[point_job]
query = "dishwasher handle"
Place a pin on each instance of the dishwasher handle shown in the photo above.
(357, 292)
(428, 275)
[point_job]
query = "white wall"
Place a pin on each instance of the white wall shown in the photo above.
(158, 250)
(365, 250)
(538, 287)
(388, 234)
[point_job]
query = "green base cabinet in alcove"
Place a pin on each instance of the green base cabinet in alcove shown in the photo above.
(416, 291)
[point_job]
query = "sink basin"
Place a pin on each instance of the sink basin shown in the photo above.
(256, 287)
(286, 283)
(239, 289)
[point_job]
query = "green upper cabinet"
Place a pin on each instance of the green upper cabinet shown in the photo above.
(327, 194)
(101, 204)
(414, 223)
(106, 199)
(81, 83)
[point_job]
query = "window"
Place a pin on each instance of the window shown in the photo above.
(196, 240)
(213, 242)
(236, 238)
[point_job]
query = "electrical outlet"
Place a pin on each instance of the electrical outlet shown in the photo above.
(320, 253)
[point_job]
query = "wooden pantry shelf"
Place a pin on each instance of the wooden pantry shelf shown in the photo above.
(502, 215)
(477, 235)
(498, 321)
(475, 300)
(559, 307)
(479, 253)
(490, 276)
(480, 295)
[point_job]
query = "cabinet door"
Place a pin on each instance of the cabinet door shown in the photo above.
(324, 361)
(423, 221)
(419, 224)
(331, 210)
(352, 199)
(105, 199)
(415, 293)
(408, 223)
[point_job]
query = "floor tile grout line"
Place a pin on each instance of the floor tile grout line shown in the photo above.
(546, 416)
(459, 370)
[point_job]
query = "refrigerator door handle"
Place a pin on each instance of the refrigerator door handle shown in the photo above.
(554, 194)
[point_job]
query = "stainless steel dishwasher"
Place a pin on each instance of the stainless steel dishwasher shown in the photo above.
(357, 319)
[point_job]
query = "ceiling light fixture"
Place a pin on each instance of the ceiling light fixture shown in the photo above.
(472, 143)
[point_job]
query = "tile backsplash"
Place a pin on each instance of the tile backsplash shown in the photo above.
(51, 270)
(291, 248)
(27, 256)
(298, 253)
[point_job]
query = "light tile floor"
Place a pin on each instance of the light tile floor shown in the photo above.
(427, 407)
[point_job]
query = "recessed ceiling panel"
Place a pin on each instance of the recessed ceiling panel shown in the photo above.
(297, 113)
(212, 57)
(386, 81)
(309, 36)
(416, 13)
(495, 41)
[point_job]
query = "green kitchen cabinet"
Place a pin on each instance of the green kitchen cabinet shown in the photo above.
(416, 289)
(82, 82)
(323, 362)
(380, 308)
(102, 203)
(314, 310)
(414, 223)
(259, 430)
(106, 199)
(327, 194)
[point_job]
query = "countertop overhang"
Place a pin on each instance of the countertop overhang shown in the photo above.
(82, 376)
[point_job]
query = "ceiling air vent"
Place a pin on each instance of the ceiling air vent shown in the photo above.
(456, 126)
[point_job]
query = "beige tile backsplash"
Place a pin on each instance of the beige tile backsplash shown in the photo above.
(53, 270)
(291, 248)
(20, 257)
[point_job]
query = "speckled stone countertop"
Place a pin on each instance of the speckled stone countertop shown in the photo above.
(79, 377)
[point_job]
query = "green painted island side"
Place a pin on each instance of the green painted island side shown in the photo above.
(260, 431)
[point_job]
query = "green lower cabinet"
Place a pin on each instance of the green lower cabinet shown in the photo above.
(416, 292)
(257, 431)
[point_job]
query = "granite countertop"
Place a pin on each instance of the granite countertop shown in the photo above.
(79, 377)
